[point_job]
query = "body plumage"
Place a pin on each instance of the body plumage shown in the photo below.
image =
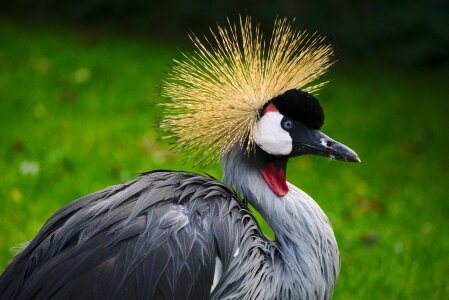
(142, 238)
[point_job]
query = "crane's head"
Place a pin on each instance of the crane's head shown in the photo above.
(236, 89)
(289, 126)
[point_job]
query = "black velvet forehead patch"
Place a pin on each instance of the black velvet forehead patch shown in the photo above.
(300, 106)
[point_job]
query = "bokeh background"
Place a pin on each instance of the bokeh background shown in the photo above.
(79, 81)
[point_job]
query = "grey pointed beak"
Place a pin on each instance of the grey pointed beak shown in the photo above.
(310, 141)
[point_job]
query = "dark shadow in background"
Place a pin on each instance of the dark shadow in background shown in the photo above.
(411, 33)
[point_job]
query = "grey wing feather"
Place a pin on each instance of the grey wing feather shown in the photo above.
(155, 237)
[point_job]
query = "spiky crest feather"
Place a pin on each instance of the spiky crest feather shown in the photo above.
(218, 90)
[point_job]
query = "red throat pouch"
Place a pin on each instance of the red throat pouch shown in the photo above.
(275, 178)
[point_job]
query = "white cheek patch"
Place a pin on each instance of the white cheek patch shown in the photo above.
(271, 137)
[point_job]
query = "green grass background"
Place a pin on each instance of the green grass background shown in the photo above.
(77, 114)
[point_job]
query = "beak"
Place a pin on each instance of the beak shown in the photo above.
(310, 141)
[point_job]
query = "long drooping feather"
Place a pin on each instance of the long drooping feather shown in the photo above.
(217, 91)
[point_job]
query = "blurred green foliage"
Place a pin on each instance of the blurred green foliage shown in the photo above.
(77, 114)
(407, 32)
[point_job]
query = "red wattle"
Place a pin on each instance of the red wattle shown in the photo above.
(270, 107)
(275, 179)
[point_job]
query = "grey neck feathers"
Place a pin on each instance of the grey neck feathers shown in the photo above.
(308, 264)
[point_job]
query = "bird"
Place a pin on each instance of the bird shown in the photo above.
(238, 99)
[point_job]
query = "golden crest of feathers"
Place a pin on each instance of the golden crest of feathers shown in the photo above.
(218, 91)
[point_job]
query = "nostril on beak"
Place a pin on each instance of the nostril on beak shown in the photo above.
(326, 143)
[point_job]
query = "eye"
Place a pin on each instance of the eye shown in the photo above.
(287, 124)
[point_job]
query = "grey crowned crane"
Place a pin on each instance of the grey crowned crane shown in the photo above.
(237, 99)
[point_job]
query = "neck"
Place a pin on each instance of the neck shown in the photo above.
(308, 251)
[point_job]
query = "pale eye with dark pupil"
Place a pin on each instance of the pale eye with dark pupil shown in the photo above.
(287, 124)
